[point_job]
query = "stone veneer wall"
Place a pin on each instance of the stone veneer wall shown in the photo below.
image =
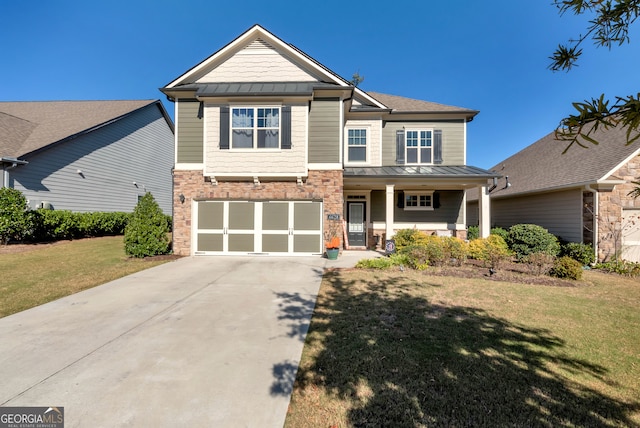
(326, 186)
(610, 210)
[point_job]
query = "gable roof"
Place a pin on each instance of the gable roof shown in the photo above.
(542, 166)
(28, 126)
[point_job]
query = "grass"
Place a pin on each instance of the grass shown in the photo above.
(49, 272)
(391, 349)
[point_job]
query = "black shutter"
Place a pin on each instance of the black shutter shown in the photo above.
(400, 199)
(437, 146)
(286, 127)
(400, 147)
(224, 127)
(436, 200)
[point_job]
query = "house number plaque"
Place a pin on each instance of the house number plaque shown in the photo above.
(333, 216)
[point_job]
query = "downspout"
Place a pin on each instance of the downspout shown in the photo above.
(595, 214)
(5, 174)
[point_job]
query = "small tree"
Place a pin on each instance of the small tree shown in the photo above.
(147, 233)
(14, 219)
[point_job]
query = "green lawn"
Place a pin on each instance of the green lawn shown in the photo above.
(405, 349)
(48, 272)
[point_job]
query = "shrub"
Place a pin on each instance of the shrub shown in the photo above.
(14, 219)
(146, 234)
(580, 252)
(383, 262)
(456, 250)
(417, 256)
(566, 267)
(541, 263)
(503, 233)
(409, 237)
(621, 267)
(473, 232)
(492, 250)
(525, 239)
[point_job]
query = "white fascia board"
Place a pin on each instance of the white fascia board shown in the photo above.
(328, 166)
(617, 167)
(369, 98)
(253, 33)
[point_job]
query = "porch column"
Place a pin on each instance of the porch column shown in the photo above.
(389, 212)
(484, 212)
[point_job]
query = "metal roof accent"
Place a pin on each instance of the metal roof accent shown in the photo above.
(256, 88)
(427, 171)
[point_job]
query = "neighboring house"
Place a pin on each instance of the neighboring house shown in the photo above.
(87, 155)
(579, 196)
(274, 150)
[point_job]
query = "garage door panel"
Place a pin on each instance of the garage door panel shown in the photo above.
(242, 215)
(210, 215)
(306, 216)
(275, 243)
(210, 242)
(275, 216)
(241, 243)
(306, 243)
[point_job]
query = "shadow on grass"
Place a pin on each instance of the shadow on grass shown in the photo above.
(403, 362)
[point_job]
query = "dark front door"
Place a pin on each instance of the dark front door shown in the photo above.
(355, 224)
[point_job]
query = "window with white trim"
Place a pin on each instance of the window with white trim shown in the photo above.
(418, 201)
(255, 128)
(418, 146)
(357, 145)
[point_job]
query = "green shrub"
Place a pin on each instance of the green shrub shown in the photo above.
(417, 256)
(503, 233)
(491, 250)
(525, 239)
(473, 232)
(146, 234)
(580, 252)
(621, 267)
(456, 250)
(383, 262)
(566, 267)
(541, 263)
(409, 237)
(15, 221)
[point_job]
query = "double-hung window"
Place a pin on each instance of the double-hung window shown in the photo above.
(357, 145)
(255, 128)
(419, 146)
(418, 201)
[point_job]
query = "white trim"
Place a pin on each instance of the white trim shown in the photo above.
(464, 146)
(418, 193)
(189, 166)
(367, 129)
(321, 166)
(253, 174)
(255, 128)
(420, 226)
(620, 165)
(418, 147)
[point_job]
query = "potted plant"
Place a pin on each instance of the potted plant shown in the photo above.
(332, 243)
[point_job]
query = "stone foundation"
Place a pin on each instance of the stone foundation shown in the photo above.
(325, 186)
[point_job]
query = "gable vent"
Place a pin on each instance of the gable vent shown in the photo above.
(258, 44)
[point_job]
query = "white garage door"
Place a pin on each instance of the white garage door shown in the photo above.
(249, 227)
(631, 234)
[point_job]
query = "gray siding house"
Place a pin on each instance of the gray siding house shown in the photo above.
(579, 196)
(275, 154)
(87, 155)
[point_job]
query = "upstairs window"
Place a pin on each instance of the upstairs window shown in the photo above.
(255, 128)
(418, 201)
(357, 145)
(419, 146)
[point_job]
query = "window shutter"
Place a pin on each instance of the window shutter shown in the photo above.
(437, 146)
(224, 127)
(401, 199)
(400, 147)
(436, 200)
(286, 127)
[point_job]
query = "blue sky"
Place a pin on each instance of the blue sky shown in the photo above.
(490, 56)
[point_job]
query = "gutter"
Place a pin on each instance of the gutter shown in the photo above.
(12, 162)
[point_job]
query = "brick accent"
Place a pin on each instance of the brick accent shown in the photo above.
(325, 186)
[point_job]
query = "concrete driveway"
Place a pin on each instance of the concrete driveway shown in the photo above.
(201, 341)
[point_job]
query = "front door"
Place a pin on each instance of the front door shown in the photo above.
(355, 224)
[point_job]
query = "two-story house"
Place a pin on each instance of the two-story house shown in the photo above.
(276, 153)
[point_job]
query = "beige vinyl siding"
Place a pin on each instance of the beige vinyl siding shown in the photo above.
(324, 131)
(189, 130)
(374, 129)
(256, 162)
(558, 212)
(257, 62)
(452, 140)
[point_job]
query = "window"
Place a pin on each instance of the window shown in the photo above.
(418, 146)
(418, 201)
(357, 145)
(255, 127)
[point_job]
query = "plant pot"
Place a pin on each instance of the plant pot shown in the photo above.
(332, 253)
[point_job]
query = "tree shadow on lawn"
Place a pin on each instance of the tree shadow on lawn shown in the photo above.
(404, 362)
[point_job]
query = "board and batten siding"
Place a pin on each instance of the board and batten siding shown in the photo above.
(453, 140)
(558, 212)
(257, 62)
(325, 123)
(189, 131)
(450, 209)
(256, 162)
(97, 171)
